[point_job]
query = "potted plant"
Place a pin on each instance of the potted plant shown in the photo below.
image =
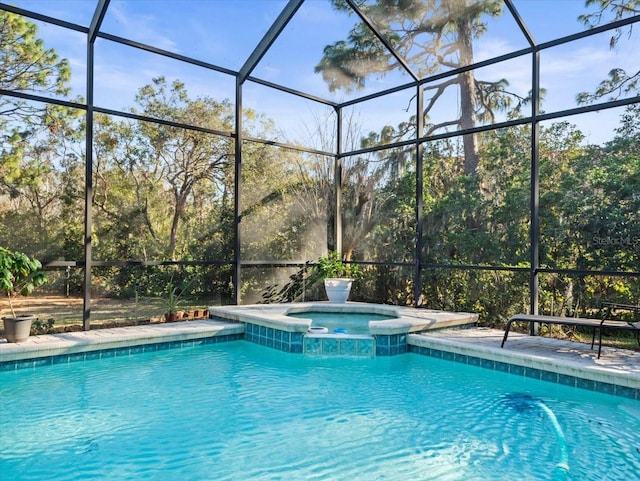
(19, 275)
(338, 276)
(173, 302)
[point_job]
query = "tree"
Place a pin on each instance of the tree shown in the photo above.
(432, 35)
(601, 204)
(619, 82)
(151, 177)
(37, 143)
(184, 157)
(26, 66)
(281, 216)
(365, 200)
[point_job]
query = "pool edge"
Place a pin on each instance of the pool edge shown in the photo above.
(623, 384)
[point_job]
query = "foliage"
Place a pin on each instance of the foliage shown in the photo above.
(619, 83)
(42, 327)
(415, 29)
(19, 274)
(286, 197)
(173, 300)
(434, 36)
(26, 66)
(332, 265)
(167, 176)
(494, 295)
(590, 214)
(38, 144)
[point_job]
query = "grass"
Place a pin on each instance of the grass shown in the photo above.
(621, 340)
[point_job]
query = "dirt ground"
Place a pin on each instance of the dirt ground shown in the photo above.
(67, 311)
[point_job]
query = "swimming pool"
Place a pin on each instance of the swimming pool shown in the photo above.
(240, 411)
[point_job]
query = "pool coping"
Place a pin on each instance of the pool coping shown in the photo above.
(69, 343)
(284, 327)
(407, 319)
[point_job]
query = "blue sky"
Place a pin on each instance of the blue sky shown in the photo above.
(224, 33)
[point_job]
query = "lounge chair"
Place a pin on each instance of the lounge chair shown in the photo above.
(596, 324)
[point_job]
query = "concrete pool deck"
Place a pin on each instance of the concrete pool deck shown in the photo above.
(617, 367)
(620, 367)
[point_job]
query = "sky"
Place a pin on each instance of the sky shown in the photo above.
(225, 33)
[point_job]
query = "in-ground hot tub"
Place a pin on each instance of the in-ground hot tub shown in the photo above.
(340, 322)
(376, 329)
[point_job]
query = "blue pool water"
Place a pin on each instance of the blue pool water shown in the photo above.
(349, 322)
(239, 411)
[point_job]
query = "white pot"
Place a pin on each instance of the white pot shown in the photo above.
(337, 288)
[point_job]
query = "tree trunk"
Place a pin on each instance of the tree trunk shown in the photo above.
(468, 100)
(177, 216)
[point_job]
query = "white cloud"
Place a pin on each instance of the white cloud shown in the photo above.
(491, 48)
(141, 28)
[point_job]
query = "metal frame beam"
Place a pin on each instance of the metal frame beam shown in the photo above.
(291, 91)
(518, 18)
(98, 16)
(534, 234)
(337, 183)
(43, 18)
(165, 53)
(417, 276)
(237, 189)
(276, 28)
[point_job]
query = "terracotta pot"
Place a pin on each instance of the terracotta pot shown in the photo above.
(172, 316)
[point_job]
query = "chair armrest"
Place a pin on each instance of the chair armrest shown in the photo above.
(607, 307)
(623, 307)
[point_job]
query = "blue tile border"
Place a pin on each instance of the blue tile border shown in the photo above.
(115, 352)
(391, 345)
(540, 374)
(274, 338)
(339, 346)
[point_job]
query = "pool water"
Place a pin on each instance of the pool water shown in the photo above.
(238, 411)
(346, 322)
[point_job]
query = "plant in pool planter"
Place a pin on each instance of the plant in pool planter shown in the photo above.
(20, 275)
(338, 276)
